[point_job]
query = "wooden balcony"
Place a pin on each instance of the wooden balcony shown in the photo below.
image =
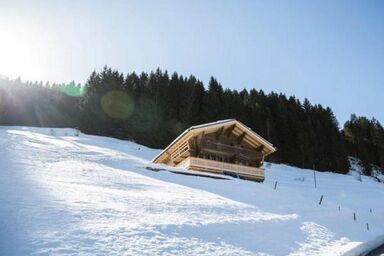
(245, 172)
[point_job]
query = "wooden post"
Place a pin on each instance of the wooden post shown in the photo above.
(314, 176)
(354, 216)
(370, 210)
(321, 199)
(275, 185)
(367, 226)
(241, 138)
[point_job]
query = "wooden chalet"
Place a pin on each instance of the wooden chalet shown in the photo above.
(225, 147)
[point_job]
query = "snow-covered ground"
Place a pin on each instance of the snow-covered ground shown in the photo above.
(62, 194)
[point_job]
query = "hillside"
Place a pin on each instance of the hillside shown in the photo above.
(154, 108)
(65, 193)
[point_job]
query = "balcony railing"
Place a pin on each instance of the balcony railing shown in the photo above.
(221, 167)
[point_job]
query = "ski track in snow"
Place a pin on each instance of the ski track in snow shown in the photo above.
(89, 195)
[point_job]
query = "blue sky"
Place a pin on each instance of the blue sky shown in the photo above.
(331, 52)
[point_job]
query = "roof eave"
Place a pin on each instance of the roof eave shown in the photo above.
(264, 141)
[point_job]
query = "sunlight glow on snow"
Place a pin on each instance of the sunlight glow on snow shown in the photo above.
(86, 195)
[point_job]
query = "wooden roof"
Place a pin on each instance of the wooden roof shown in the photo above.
(238, 128)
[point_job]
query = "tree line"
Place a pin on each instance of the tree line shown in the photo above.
(153, 108)
(364, 139)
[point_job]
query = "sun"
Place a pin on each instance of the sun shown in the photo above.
(25, 52)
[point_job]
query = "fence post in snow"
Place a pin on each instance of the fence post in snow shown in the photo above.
(367, 226)
(321, 199)
(314, 176)
(354, 216)
(370, 210)
(275, 185)
(339, 207)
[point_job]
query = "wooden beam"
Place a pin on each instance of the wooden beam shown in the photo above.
(260, 148)
(229, 130)
(219, 132)
(241, 137)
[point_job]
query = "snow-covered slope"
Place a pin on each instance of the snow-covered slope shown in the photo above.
(64, 194)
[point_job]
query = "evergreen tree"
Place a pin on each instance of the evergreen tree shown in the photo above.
(152, 109)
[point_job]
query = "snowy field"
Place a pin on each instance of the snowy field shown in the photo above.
(62, 194)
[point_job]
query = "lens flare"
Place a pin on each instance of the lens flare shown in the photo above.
(117, 104)
(175, 126)
(148, 115)
(74, 90)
